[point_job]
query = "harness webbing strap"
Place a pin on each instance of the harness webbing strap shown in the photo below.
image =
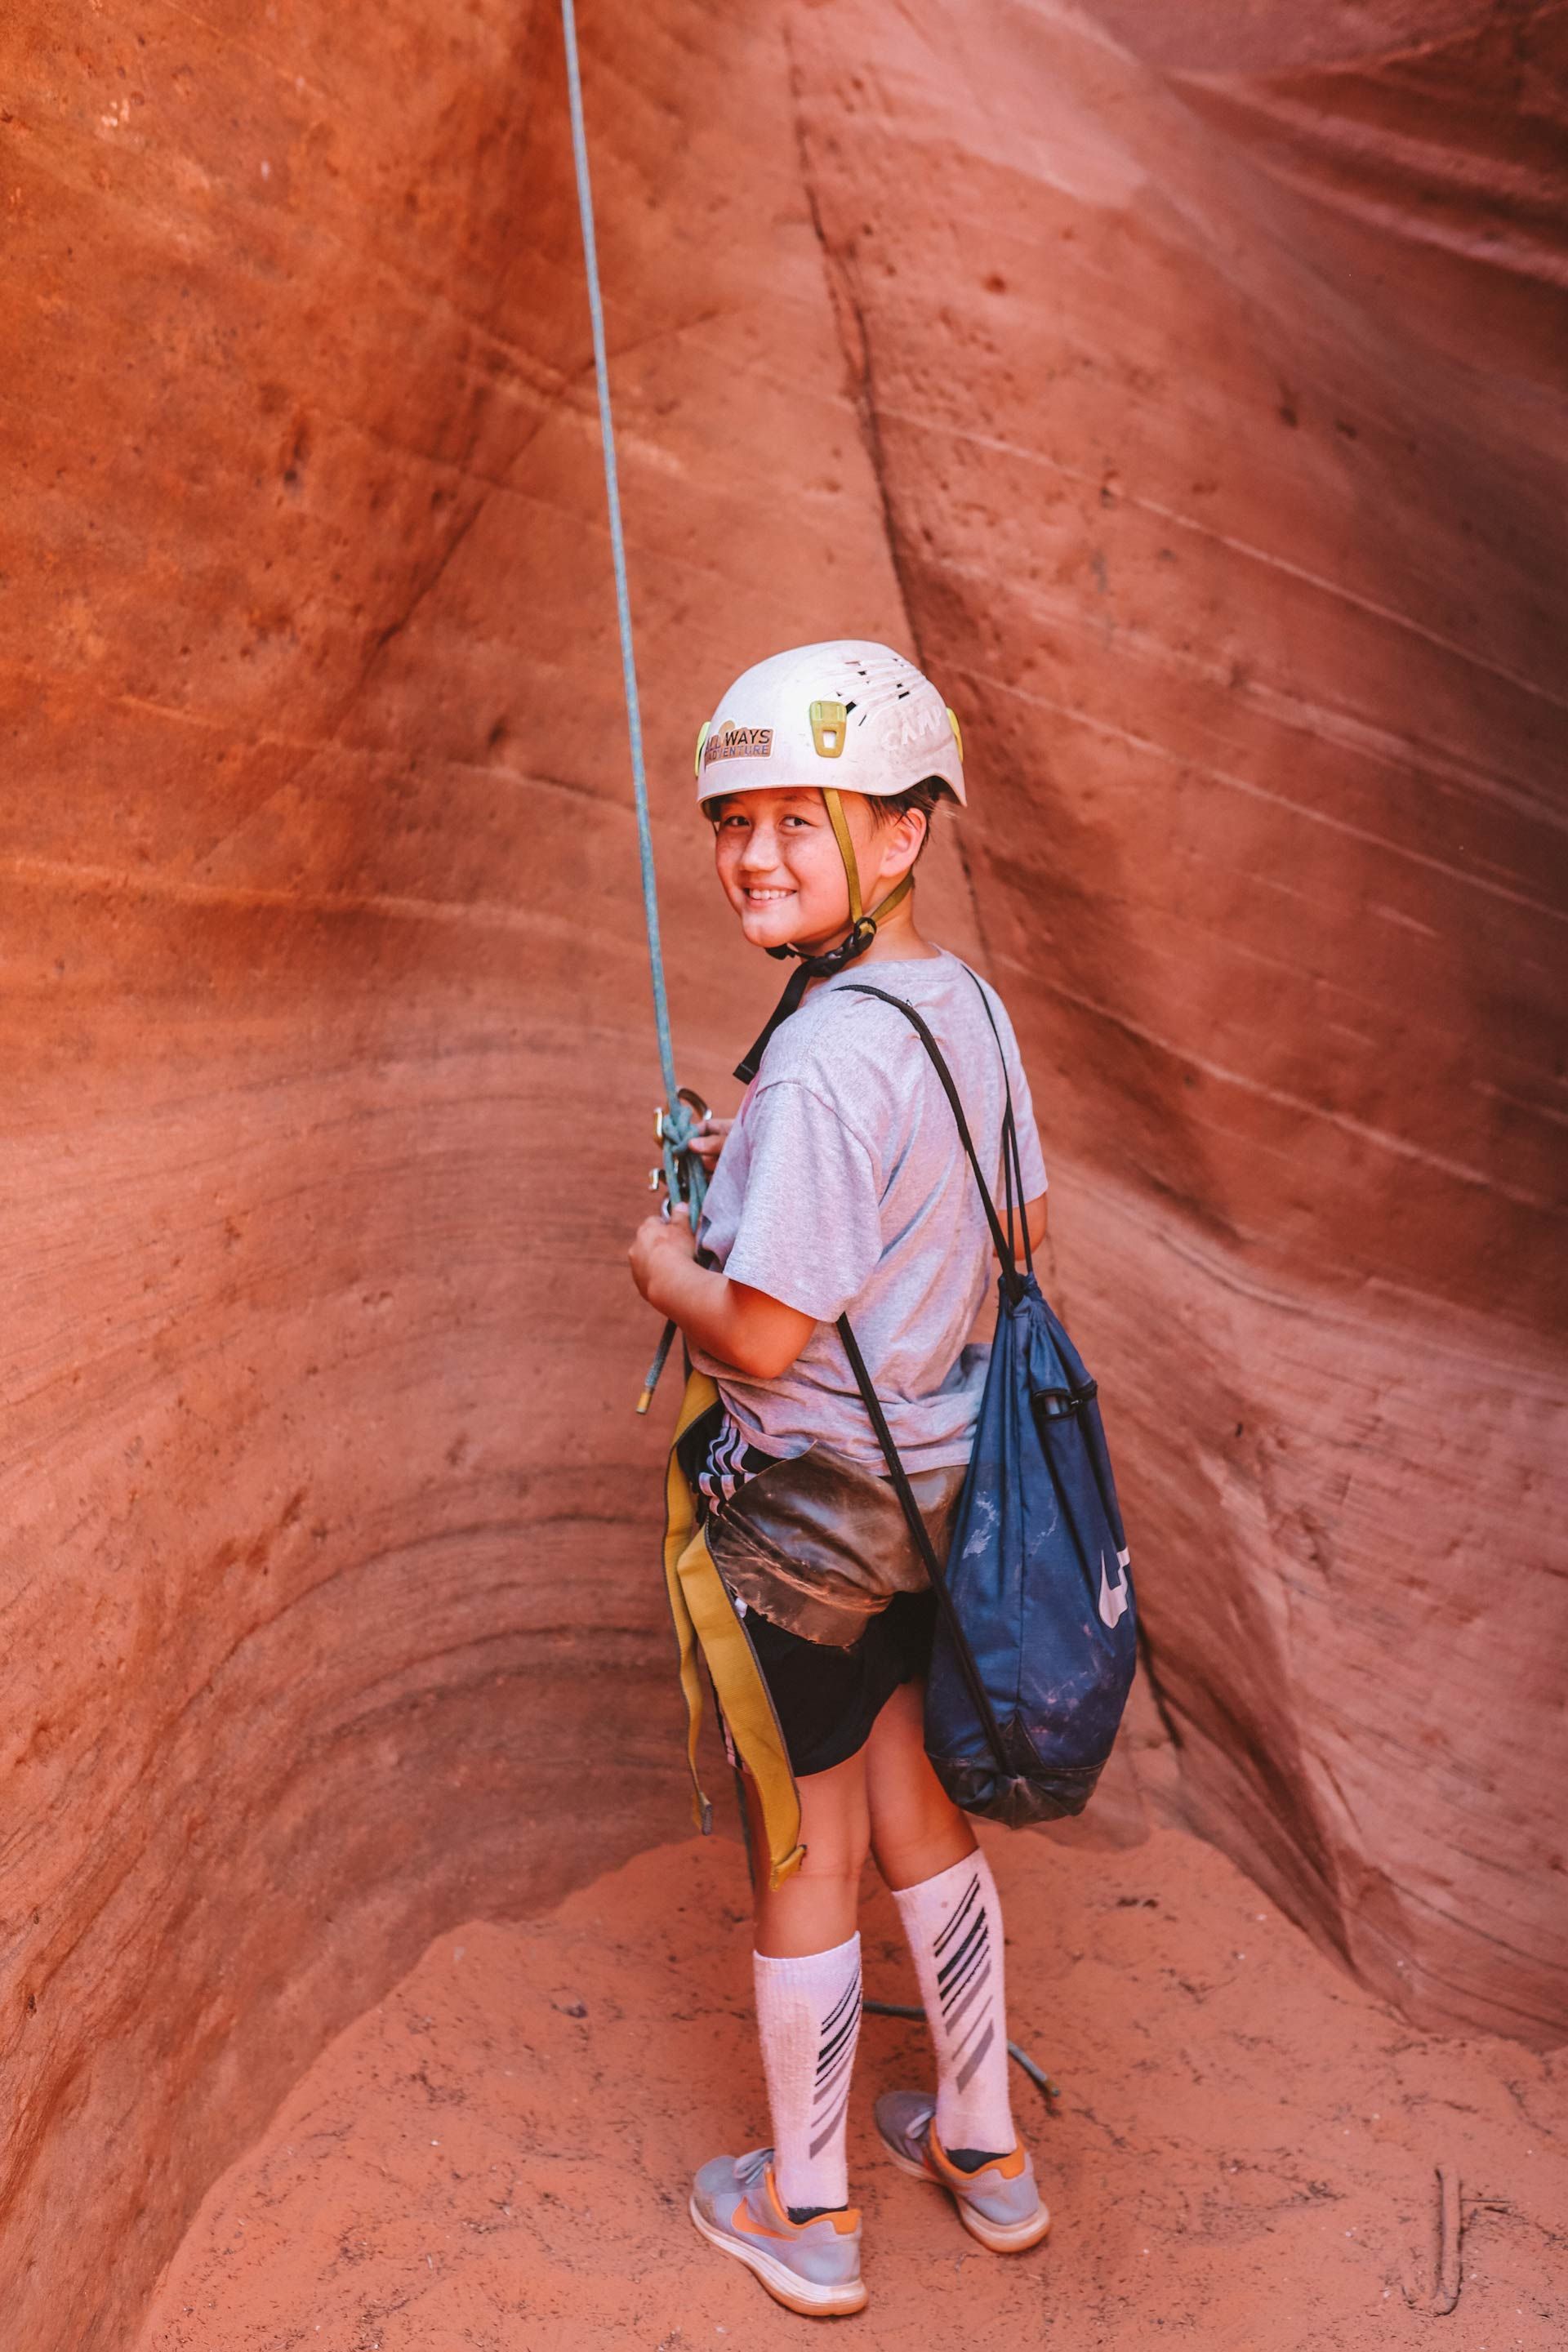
(710, 1633)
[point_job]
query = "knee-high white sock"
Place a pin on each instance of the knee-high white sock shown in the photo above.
(953, 1923)
(808, 2018)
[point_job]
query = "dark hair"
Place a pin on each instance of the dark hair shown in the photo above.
(886, 808)
(922, 796)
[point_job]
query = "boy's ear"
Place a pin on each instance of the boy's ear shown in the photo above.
(911, 826)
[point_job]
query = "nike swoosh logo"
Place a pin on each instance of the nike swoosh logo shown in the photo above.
(1113, 1598)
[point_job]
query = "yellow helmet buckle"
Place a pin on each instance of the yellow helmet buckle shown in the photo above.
(829, 721)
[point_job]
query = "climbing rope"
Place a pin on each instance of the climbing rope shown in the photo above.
(683, 1112)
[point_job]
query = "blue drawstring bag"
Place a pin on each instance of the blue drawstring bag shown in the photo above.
(1036, 1633)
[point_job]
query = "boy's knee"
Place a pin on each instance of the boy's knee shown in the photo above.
(841, 1864)
(913, 1813)
(920, 1846)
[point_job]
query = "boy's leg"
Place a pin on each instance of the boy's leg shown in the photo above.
(788, 2218)
(947, 1901)
(808, 1974)
(916, 1828)
(819, 1904)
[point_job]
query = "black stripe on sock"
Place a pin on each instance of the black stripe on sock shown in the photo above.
(952, 1922)
(976, 2054)
(835, 2073)
(971, 1992)
(977, 1959)
(831, 2126)
(837, 2011)
(830, 2049)
(976, 1934)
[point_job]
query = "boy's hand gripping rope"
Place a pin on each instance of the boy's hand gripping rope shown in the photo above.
(684, 1179)
(675, 1125)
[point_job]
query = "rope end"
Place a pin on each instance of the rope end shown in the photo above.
(645, 1401)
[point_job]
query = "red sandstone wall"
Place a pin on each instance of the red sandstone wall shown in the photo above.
(1247, 582)
(1208, 456)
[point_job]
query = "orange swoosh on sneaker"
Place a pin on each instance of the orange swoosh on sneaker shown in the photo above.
(745, 2221)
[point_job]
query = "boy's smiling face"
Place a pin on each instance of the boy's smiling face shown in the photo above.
(779, 865)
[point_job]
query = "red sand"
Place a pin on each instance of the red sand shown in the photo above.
(498, 2154)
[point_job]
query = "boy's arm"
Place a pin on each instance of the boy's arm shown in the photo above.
(1034, 1217)
(759, 1335)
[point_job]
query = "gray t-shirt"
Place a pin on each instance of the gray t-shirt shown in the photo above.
(843, 1188)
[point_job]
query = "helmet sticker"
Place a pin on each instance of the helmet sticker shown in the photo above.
(729, 742)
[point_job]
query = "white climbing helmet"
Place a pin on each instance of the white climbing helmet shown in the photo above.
(849, 714)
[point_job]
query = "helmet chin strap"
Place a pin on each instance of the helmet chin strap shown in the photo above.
(862, 931)
(842, 836)
(862, 926)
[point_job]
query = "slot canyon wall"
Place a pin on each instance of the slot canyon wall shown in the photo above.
(1184, 388)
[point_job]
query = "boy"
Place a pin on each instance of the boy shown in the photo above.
(841, 1188)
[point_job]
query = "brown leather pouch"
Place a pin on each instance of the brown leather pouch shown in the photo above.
(819, 1544)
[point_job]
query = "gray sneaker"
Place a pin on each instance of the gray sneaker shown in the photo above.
(1000, 2204)
(812, 2267)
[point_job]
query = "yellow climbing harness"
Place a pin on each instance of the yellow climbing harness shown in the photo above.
(706, 1621)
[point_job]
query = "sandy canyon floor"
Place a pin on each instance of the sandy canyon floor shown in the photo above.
(1242, 2158)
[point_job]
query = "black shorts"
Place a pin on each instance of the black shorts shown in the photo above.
(825, 1698)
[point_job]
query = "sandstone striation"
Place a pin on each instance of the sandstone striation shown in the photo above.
(1189, 401)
